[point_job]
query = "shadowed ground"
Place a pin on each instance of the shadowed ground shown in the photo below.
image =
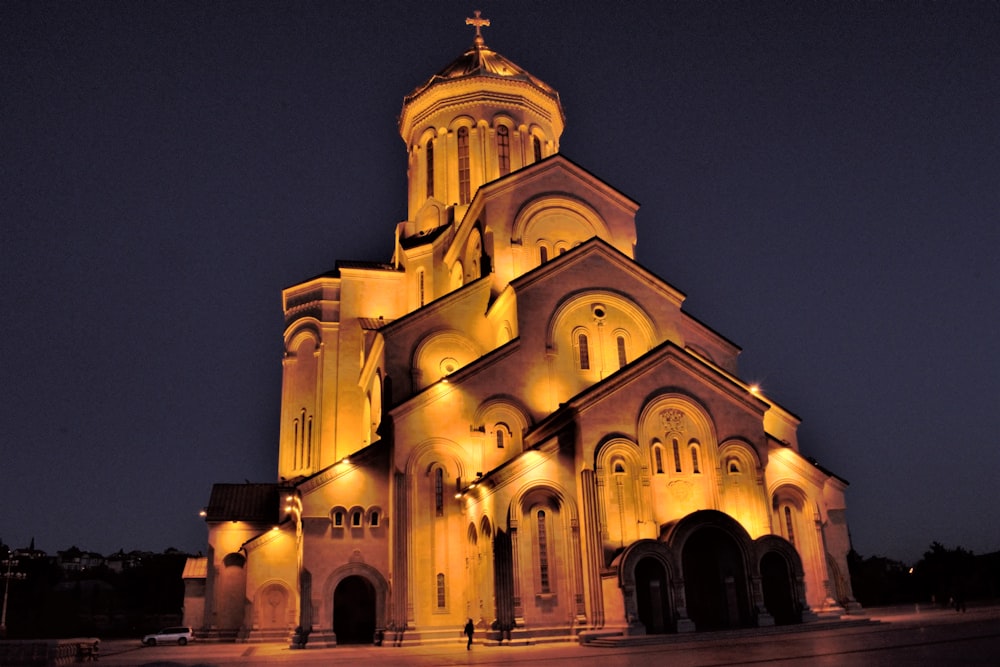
(894, 636)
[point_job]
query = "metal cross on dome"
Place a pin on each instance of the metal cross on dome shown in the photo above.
(479, 23)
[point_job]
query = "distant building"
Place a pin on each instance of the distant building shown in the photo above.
(515, 422)
(76, 560)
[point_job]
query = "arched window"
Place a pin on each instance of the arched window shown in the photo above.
(537, 145)
(788, 524)
(338, 518)
(440, 591)
(622, 360)
(430, 168)
(658, 456)
(439, 491)
(619, 468)
(677, 456)
(543, 253)
(463, 165)
(356, 519)
(583, 346)
(503, 435)
(543, 553)
(695, 468)
(373, 520)
(503, 150)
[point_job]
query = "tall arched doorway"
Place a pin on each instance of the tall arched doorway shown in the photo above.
(715, 581)
(652, 596)
(776, 584)
(354, 611)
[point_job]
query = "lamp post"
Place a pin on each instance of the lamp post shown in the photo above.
(7, 576)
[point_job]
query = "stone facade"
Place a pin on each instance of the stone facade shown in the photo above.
(514, 422)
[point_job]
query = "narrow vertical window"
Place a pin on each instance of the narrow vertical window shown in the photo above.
(658, 455)
(584, 352)
(694, 460)
(500, 437)
(309, 443)
(338, 518)
(439, 491)
(430, 168)
(788, 524)
(543, 553)
(356, 519)
(543, 253)
(420, 288)
(677, 456)
(440, 591)
(622, 360)
(503, 150)
(463, 165)
(374, 520)
(537, 144)
(301, 445)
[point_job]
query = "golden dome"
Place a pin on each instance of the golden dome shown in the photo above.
(480, 60)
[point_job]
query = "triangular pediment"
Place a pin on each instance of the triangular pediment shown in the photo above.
(598, 263)
(555, 170)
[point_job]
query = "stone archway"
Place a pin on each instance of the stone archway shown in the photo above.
(652, 596)
(777, 588)
(354, 610)
(715, 580)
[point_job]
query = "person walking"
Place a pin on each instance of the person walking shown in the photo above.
(469, 631)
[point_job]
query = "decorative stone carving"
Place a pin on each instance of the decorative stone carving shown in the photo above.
(680, 489)
(672, 421)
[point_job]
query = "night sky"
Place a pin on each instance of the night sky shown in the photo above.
(822, 179)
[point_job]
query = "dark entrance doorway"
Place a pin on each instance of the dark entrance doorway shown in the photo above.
(715, 581)
(776, 583)
(354, 611)
(652, 597)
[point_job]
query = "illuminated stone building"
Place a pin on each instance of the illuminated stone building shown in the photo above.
(513, 421)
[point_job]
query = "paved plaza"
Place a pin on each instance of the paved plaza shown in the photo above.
(896, 636)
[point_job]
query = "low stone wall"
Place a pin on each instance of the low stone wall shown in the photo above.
(47, 652)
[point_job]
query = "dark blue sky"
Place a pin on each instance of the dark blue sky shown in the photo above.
(821, 179)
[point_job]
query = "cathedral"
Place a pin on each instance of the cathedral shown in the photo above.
(512, 421)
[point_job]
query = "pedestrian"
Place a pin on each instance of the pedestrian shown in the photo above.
(469, 630)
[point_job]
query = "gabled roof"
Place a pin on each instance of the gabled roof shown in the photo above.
(373, 323)
(423, 238)
(259, 503)
(556, 161)
(195, 567)
(646, 363)
(597, 245)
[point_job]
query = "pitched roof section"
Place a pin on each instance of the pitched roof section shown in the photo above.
(195, 568)
(422, 238)
(259, 503)
(373, 323)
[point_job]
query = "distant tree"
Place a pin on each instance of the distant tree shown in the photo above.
(51, 602)
(879, 581)
(948, 575)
